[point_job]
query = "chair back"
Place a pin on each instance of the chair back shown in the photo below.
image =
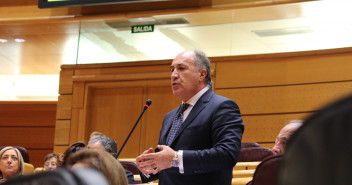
(251, 154)
(130, 166)
(267, 171)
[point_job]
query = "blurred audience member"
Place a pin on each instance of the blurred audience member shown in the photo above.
(11, 163)
(101, 161)
(51, 162)
(285, 133)
(72, 149)
(109, 145)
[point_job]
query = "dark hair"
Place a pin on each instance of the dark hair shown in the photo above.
(72, 149)
(109, 144)
(203, 62)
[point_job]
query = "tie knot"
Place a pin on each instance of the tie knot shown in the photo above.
(183, 107)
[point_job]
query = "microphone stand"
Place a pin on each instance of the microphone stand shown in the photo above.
(147, 104)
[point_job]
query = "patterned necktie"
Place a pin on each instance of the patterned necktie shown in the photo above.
(176, 123)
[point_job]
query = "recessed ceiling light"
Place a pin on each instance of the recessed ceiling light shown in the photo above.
(3, 40)
(19, 40)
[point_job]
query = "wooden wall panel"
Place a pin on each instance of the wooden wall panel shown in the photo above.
(164, 66)
(27, 113)
(286, 99)
(28, 137)
(284, 70)
(66, 82)
(113, 111)
(64, 106)
(267, 125)
(62, 132)
(30, 125)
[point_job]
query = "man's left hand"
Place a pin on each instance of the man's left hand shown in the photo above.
(155, 162)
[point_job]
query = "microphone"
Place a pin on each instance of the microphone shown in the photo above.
(146, 106)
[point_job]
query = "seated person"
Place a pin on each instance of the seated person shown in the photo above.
(285, 133)
(72, 149)
(109, 145)
(11, 163)
(281, 140)
(102, 161)
(51, 162)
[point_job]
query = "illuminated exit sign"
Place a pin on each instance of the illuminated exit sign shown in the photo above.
(143, 28)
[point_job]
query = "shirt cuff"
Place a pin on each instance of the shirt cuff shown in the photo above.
(180, 158)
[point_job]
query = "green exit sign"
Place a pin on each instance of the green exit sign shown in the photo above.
(142, 28)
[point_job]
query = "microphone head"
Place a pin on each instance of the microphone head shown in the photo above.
(149, 102)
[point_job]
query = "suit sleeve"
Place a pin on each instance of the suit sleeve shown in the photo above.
(226, 129)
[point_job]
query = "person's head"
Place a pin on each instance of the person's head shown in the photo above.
(105, 143)
(72, 149)
(51, 162)
(190, 73)
(95, 134)
(11, 162)
(284, 135)
(102, 161)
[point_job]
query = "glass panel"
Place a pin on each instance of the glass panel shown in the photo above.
(269, 29)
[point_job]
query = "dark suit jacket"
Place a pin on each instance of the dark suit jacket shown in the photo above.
(210, 138)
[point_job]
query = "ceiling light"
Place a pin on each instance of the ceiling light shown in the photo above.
(19, 40)
(3, 40)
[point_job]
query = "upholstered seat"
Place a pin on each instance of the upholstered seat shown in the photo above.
(267, 171)
(254, 154)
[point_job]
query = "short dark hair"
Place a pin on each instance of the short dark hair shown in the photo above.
(109, 144)
(203, 62)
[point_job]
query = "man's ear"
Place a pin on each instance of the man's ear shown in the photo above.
(203, 74)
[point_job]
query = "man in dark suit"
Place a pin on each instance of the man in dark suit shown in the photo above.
(205, 146)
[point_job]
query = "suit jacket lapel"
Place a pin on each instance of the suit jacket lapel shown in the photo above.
(198, 107)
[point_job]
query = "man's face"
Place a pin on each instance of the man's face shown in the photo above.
(283, 137)
(96, 145)
(9, 164)
(186, 80)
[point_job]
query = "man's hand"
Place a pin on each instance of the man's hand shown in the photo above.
(150, 162)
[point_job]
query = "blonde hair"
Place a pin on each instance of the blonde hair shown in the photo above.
(103, 162)
(19, 156)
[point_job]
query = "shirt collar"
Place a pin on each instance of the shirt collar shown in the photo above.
(192, 101)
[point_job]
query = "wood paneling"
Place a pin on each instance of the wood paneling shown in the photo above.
(267, 125)
(284, 70)
(28, 137)
(287, 99)
(27, 114)
(62, 132)
(64, 107)
(65, 86)
(30, 125)
(113, 111)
